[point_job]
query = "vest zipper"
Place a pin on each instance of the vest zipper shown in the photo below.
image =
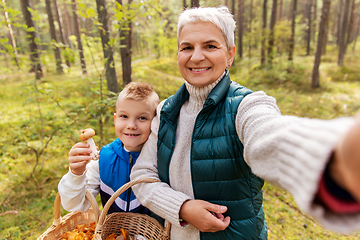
(129, 190)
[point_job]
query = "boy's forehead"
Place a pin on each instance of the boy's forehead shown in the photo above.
(148, 104)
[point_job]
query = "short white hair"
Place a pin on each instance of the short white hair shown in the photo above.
(219, 16)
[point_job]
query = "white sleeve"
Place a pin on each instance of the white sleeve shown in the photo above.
(72, 187)
(158, 197)
(292, 153)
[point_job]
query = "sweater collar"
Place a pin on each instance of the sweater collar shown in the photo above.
(198, 95)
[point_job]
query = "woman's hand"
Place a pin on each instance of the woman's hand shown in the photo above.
(79, 156)
(205, 216)
(345, 165)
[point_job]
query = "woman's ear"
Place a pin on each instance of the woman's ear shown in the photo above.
(231, 56)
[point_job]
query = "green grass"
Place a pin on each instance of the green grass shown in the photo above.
(71, 101)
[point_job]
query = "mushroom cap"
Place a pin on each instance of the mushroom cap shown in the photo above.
(85, 134)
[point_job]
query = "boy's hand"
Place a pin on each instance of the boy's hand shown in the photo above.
(205, 216)
(79, 156)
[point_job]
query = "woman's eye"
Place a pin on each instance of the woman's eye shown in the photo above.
(211, 47)
(185, 48)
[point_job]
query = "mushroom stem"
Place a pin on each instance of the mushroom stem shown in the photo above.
(94, 154)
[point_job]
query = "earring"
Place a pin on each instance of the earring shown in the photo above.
(229, 66)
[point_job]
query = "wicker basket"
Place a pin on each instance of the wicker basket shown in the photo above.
(134, 223)
(70, 220)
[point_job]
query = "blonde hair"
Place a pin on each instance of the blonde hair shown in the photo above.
(138, 91)
(219, 16)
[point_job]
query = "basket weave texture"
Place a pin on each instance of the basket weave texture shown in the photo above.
(70, 220)
(134, 223)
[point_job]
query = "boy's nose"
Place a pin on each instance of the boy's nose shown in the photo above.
(131, 125)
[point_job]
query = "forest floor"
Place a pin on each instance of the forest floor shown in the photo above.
(40, 119)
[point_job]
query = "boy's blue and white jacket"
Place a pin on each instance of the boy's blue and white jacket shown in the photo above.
(103, 176)
(115, 165)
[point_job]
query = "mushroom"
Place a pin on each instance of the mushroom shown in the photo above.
(86, 135)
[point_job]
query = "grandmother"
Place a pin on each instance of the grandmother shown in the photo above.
(214, 141)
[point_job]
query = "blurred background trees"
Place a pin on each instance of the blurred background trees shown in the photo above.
(63, 61)
(126, 30)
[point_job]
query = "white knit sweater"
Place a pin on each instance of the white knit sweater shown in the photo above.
(287, 151)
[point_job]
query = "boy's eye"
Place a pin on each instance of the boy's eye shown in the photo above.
(123, 116)
(143, 118)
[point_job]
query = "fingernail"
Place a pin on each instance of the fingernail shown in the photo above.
(222, 208)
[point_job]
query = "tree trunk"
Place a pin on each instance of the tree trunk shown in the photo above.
(351, 23)
(280, 10)
(272, 30)
(69, 29)
(61, 28)
(308, 31)
(184, 4)
(321, 37)
(60, 22)
(57, 53)
(263, 33)
(343, 37)
(195, 3)
(125, 50)
(31, 37)
(314, 21)
(110, 72)
(233, 8)
(324, 43)
(250, 27)
(357, 28)
(78, 36)
(240, 28)
(11, 35)
(293, 24)
(339, 22)
(290, 12)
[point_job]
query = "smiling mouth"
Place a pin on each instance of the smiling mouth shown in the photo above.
(131, 135)
(199, 69)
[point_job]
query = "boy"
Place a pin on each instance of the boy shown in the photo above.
(135, 108)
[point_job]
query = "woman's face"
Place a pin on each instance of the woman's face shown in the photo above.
(203, 54)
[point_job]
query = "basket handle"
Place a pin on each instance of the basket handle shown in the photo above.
(88, 196)
(122, 189)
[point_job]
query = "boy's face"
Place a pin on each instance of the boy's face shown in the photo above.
(132, 122)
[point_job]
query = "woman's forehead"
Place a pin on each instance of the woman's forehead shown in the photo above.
(203, 31)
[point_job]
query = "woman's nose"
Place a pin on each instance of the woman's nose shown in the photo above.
(197, 55)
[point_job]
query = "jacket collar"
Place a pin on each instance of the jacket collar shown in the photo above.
(119, 149)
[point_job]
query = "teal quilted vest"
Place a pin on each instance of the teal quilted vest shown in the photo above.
(218, 171)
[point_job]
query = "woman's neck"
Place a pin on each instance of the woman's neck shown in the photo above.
(198, 95)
